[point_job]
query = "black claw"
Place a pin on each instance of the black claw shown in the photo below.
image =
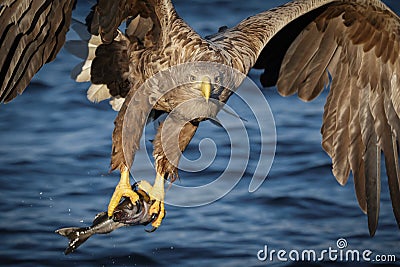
(134, 186)
(139, 205)
(153, 216)
(151, 230)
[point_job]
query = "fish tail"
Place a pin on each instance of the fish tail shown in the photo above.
(76, 236)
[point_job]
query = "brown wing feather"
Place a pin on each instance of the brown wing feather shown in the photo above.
(107, 16)
(372, 159)
(357, 149)
(369, 69)
(32, 32)
(341, 136)
(295, 72)
(358, 43)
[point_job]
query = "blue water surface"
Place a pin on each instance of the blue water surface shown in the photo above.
(55, 147)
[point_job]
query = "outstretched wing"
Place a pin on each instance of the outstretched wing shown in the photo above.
(353, 47)
(32, 32)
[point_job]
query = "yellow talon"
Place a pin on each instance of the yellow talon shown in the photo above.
(157, 208)
(123, 189)
(156, 194)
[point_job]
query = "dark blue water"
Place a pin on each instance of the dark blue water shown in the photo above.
(55, 146)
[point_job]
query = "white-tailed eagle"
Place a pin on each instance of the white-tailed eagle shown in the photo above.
(302, 46)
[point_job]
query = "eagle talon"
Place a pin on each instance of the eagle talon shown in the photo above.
(158, 209)
(123, 189)
(154, 194)
(156, 220)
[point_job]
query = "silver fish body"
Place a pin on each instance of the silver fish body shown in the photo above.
(126, 214)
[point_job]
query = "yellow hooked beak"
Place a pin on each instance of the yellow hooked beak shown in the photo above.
(206, 87)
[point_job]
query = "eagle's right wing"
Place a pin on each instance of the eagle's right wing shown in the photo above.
(32, 32)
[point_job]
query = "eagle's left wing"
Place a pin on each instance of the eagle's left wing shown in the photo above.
(355, 43)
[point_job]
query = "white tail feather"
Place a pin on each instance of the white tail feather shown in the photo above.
(116, 103)
(98, 93)
(81, 73)
(84, 76)
(86, 49)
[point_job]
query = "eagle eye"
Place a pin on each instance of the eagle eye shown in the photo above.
(192, 78)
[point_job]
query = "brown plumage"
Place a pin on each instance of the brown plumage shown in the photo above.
(32, 33)
(300, 45)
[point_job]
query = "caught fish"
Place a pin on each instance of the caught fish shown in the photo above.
(125, 214)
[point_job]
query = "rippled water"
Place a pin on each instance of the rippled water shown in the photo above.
(55, 147)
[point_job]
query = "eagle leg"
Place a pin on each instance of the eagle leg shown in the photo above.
(123, 189)
(156, 194)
